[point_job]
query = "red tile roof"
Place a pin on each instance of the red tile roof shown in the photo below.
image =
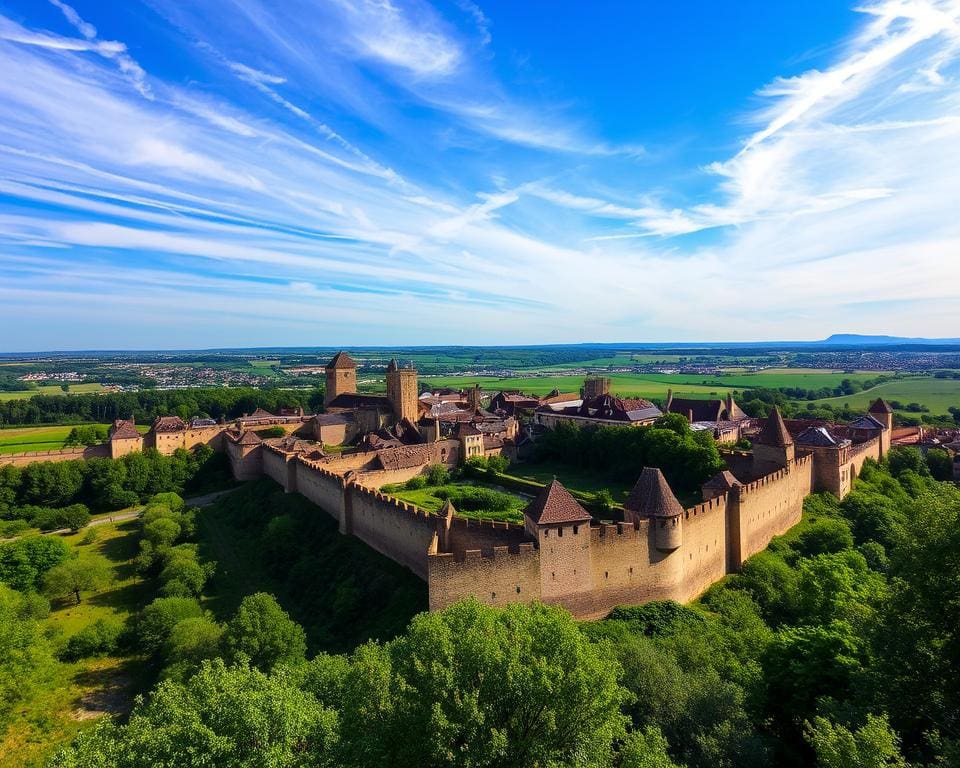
(554, 505)
(168, 424)
(249, 438)
(341, 360)
(124, 429)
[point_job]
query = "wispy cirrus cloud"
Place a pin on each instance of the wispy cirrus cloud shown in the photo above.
(304, 185)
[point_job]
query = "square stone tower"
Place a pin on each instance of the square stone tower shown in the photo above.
(402, 391)
(594, 386)
(341, 376)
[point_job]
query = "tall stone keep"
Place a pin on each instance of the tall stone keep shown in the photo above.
(402, 391)
(341, 376)
(595, 386)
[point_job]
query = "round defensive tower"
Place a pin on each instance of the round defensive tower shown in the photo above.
(652, 499)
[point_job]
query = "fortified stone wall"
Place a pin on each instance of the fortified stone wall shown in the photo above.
(394, 528)
(771, 505)
(321, 486)
(63, 454)
(245, 461)
(499, 579)
(483, 535)
(703, 556)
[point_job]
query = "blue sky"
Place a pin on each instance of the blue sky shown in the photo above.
(245, 172)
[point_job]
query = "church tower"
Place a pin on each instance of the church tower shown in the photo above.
(402, 391)
(341, 377)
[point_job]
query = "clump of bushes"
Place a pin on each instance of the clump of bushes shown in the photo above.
(98, 639)
(475, 499)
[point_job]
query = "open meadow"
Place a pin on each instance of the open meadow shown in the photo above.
(936, 394)
(655, 385)
(51, 389)
(46, 438)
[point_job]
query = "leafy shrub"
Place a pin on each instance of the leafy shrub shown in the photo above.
(438, 474)
(97, 639)
(272, 432)
(416, 483)
(471, 499)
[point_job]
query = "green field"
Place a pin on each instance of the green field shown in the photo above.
(426, 498)
(937, 394)
(625, 384)
(51, 389)
(47, 438)
(655, 385)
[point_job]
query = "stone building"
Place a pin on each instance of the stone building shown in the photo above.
(124, 438)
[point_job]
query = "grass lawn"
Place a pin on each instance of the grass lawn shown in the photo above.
(582, 481)
(51, 389)
(45, 438)
(936, 394)
(427, 498)
(78, 693)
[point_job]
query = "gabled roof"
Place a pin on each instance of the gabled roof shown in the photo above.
(249, 438)
(466, 429)
(168, 424)
(865, 422)
(652, 497)
(554, 505)
(722, 481)
(341, 360)
(774, 431)
(880, 406)
(817, 436)
(260, 413)
(124, 429)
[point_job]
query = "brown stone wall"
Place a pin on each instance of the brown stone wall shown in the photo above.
(772, 505)
(123, 446)
(333, 434)
(64, 454)
(484, 535)
(502, 578)
(275, 466)
(565, 562)
(703, 555)
(393, 528)
(246, 461)
(322, 487)
(376, 478)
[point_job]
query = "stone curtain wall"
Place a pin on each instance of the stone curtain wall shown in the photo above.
(772, 505)
(63, 454)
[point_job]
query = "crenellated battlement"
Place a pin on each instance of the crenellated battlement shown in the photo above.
(717, 503)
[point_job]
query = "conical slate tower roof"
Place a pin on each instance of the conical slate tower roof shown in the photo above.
(554, 504)
(774, 431)
(652, 497)
(341, 360)
(880, 406)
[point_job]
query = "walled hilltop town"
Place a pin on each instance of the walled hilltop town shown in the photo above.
(341, 458)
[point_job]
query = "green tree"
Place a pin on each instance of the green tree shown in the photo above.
(156, 622)
(476, 686)
(25, 654)
(264, 633)
(902, 458)
(872, 745)
(229, 717)
(75, 517)
(940, 464)
(24, 563)
(645, 749)
(80, 574)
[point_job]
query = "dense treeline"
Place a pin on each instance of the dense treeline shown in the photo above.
(38, 491)
(687, 458)
(144, 406)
